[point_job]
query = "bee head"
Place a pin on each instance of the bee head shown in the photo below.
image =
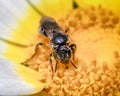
(62, 53)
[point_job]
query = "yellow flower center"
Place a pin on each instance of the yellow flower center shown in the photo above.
(96, 32)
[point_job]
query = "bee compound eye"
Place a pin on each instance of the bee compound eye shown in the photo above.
(42, 31)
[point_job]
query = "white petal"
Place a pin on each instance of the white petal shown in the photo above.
(11, 12)
(2, 47)
(11, 83)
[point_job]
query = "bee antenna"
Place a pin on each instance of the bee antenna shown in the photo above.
(35, 8)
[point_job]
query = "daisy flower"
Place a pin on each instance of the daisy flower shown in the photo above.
(94, 26)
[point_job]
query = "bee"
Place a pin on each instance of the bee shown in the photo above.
(59, 42)
(63, 51)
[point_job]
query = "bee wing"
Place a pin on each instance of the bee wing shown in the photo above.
(13, 82)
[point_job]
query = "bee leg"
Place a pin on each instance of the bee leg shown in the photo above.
(51, 65)
(73, 47)
(73, 64)
(56, 65)
(66, 30)
(37, 46)
(66, 66)
(36, 53)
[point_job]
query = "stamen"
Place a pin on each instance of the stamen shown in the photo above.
(97, 56)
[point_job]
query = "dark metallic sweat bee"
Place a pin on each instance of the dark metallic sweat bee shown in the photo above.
(63, 51)
(59, 41)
